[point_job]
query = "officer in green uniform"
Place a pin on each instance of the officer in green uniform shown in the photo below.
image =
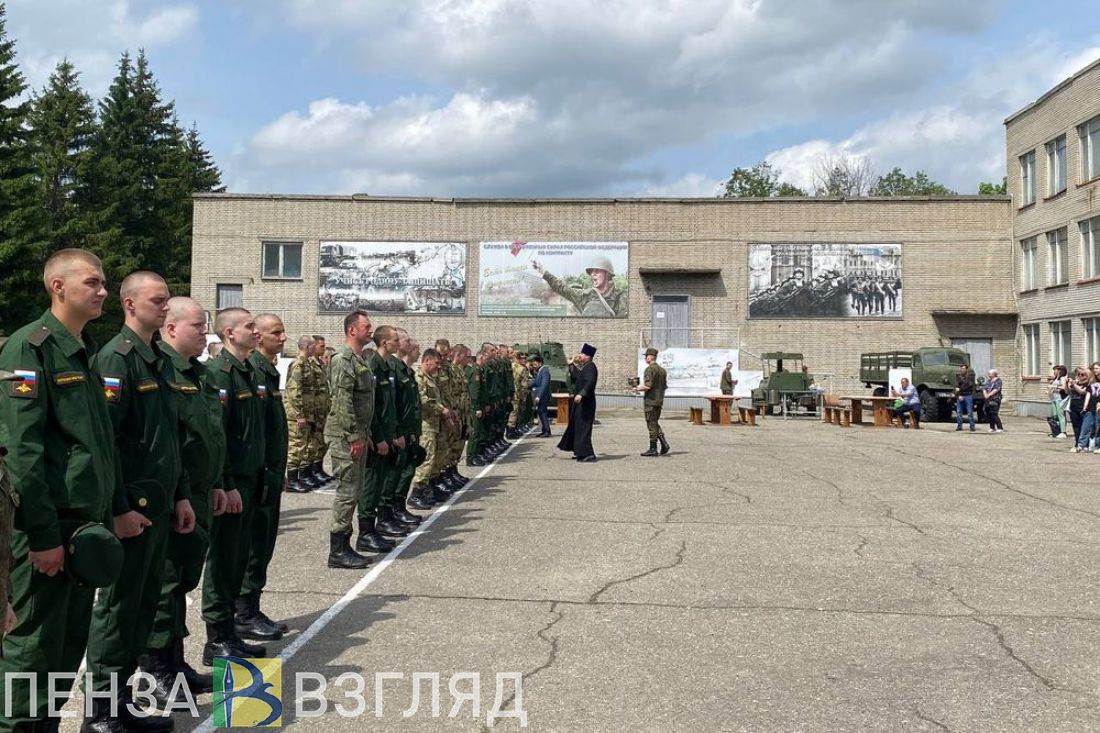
(318, 446)
(299, 399)
(202, 450)
(145, 418)
(251, 622)
(347, 429)
(416, 499)
(406, 405)
(654, 383)
(602, 300)
(434, 415)
(8, 500)
(477, 389)
(243, 480)
(62, 463)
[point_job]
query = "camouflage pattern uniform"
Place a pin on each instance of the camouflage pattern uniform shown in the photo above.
(322, 403)
(300, 399)
(460, 402)
(519, 391)
(351, 385)
(431, 425)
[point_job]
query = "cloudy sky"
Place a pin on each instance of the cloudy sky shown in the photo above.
(573, 97)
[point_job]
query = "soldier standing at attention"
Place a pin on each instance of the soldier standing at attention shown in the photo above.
(433, 415)
(478, 390)
(416, 499)
(321, 395)
(519, 392)
(299, 398)
(8, 501)
(460, 361)
(251, 622)
(654, 383)
(55, 415)
(143, 411)
(407, 408)
(202, 450)
(445, 439)
(243, 480)
(348, 430)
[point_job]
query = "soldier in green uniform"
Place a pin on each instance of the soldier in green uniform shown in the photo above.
(299, 398)
(202, 450)
(460, 356)
(243, 480)
(8, 499)
(347, 429)
(251, 622)
(477, 388)
(63, 465)
(602, 300)
(407, 408)
(146, 422)
(418, 499)
(434, 415)
(319, 447)
(653, 385)
(452, 389)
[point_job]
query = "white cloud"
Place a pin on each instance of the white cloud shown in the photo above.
(691, 185)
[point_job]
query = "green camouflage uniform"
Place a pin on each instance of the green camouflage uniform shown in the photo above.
(519, 391)
(351, 385)
(300, 400)
(588, 301)
(319, 446)
(412, 422)
(431, 425)
(656, 380)
(478, 393)
(9, 500)
(459, 401)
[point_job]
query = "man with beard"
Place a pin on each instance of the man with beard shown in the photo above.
(578, 436)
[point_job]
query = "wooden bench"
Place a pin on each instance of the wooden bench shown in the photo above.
(747, 415)
(695, 415)
(837, 415)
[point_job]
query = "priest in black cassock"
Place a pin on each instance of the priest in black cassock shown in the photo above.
(578, 436)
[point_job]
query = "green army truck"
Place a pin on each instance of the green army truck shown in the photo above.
(553, 356)
(934, 370)
(786, 385)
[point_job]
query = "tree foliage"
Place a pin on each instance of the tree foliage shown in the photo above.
(985, 188)
(843, 175)
(759, 181)
(897, 183)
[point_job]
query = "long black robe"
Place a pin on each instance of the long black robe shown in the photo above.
(578, 436)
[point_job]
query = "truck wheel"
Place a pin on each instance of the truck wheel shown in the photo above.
(879, 392)
(929, 406)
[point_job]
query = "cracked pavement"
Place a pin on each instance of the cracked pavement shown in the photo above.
(791, 577)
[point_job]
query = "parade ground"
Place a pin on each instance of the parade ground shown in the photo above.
(790, 577)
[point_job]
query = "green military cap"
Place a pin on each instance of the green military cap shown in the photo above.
(146, 497)
(651, 351)
(93, 555)
(190, 546)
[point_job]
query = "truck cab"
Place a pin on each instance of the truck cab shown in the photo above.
(933, 368)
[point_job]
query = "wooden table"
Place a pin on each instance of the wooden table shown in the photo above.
(720, 408)
(563, 400)
(881, 406)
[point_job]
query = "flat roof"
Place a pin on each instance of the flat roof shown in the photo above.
(1054, 90)
(594, 200)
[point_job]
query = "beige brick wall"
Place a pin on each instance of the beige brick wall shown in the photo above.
(956, 255)
(1058, 112)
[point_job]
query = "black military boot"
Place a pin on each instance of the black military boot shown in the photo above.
(219, 643)
(259, 613)
(387, 526)
(294, 483)
(134, 723)
(307, 479)
(369, 539)
(437, 493)
(340, 554)
(474, 461)
(403, 515)
(158, 664)
(319, 474)
(417, 500)
(197, 682)
(101, 720)
(248, 624)
(652, 449)
(665, 448)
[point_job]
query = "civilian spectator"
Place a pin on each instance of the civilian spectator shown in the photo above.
(991, 394)
(910, 403)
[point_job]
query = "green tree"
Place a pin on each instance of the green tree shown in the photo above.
(842, 176)
(21, 221)
(759, 181)
(62, 123)
(986, 188)
(897, 183)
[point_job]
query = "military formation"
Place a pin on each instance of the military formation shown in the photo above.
(138, 472)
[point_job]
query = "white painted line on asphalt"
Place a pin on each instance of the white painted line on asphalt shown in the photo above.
(357, 590)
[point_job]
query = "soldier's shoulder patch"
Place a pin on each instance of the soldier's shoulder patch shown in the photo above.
(226, 367)
(148, 385)
(223, 395)
(244, 394)
(64, 379)
(261, 390)
(27, 384)
(184, 387)
(112, 388)
(38, 336)
(125, 346)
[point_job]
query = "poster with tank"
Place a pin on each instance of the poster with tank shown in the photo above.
(825, 280)
(392, 277)
(693, 372)
(570, 279)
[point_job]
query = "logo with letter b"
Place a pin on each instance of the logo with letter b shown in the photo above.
(248, 693)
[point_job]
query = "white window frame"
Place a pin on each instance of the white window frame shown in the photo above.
(1092, 339)
(1058, 257)
(1027, 178)
(1088, 135)
(1061, 342)
(280, 265)
(1057, 167)
(225, 289)
(1029, 266)
(1031, 349)
(1090, 248)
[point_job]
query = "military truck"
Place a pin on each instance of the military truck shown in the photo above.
(786, 385)
(934, 370)
(553, 355)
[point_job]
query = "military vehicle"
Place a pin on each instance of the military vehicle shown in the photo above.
(553, 356)
(786, 385)
(934, 370)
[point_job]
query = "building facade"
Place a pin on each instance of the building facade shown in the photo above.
(830, 278)
(1053, 154)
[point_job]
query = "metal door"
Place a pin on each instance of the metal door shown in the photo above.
(671, 318)
(981, 353)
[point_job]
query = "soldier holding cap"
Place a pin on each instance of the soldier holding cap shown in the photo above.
(654, 383)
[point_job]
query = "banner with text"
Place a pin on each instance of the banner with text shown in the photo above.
(699, 371)
(394, 277)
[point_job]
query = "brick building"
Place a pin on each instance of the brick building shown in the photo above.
(1053, 153)
(689, 264)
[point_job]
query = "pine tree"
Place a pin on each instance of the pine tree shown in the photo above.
(21, 224)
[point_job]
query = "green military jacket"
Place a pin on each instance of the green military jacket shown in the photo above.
(61, 444)
(478, 391)
(431, 402)
(276, 433)
(461, 389)
(443, 378)
(414, 400)
(351, 385)
(244, 420)
(587, 301)
(655, 378)
(300, 396)
(146, 420)
(384, 425)
(202, 432)
(407, 403)
(8, 501)
(321, 398)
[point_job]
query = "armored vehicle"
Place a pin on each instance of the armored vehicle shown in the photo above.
(934, 370)
(786, 384)
(553, 355)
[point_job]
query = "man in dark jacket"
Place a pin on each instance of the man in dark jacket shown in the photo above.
(540, 392)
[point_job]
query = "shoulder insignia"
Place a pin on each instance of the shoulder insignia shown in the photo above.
(26, 386)
(124, 347)
(226, 367)
(39, 337)
(184, 387)
(112, 388)
(244, 394)
(63, 379)
(148, 385)
(277, 394)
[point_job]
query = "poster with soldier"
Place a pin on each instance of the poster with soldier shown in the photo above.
(572, 279)
(393, 277)
(825, 280)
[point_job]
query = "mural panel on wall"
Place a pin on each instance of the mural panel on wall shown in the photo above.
(395, 277)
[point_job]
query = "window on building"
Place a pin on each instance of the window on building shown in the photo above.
(1092, 340)
(283, 260)
(1058, 257)
(230, 296)
(1028, 257)
(1027, 178)
(1090, 248)
(1090, 149)
(1061, 345)
(1031, 349)
(1056, 165)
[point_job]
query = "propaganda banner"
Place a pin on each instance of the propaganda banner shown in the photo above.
(394, 277)
(571, 279)
(825, 280)
(695, 372)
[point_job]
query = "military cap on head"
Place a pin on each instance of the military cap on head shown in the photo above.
(651, 351)
(93, 555)
(601, 263)
(535, 357)
(588, 350)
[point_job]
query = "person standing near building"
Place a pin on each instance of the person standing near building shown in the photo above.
(320, 362)
(300, 400)
(54, 414)
(433, 416)
(578, 436)
(727, 382)
(407, 402)
(251, 622)
(520, 389)
(540, 393)
(653, 386)
(460, 404)
(348, 431)
(964, 397)
(991, 399)
(477, 384)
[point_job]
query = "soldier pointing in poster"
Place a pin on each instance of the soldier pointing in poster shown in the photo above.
(602, 300)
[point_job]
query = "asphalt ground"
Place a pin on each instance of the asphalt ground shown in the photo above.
(790, 577)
